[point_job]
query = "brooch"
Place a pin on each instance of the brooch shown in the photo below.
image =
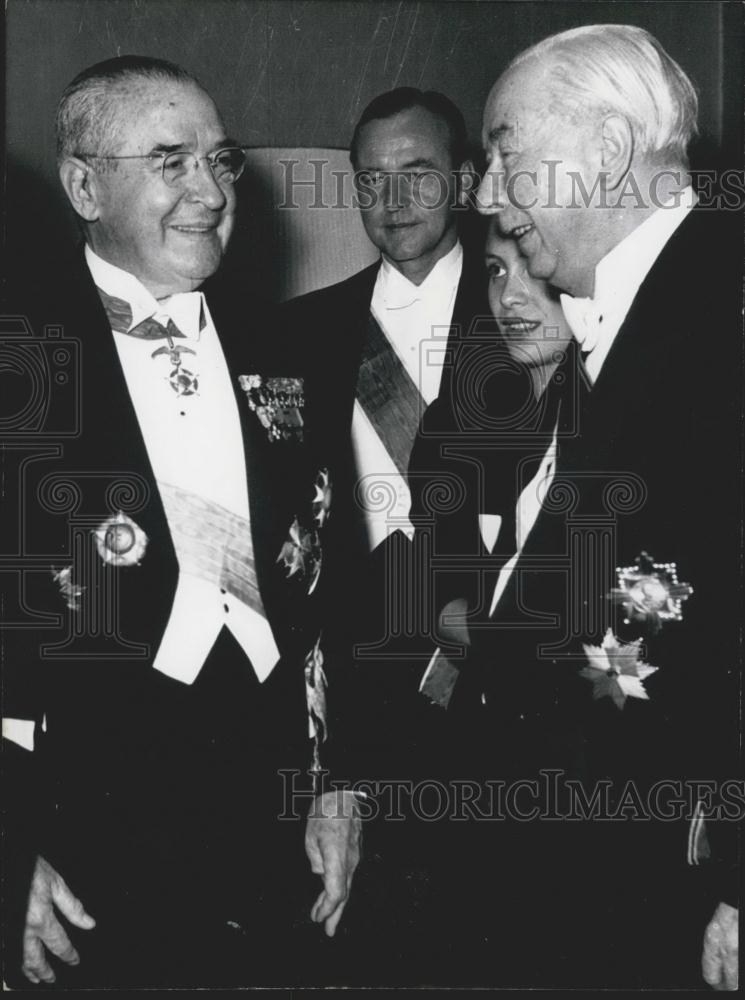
(615, 670)
(650, 592)
(321, 502)
(277, 402)
(71, 591)
(120, 542)
(301, 554)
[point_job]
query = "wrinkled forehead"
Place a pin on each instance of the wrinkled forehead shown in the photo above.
(152, 113)
(518, 102)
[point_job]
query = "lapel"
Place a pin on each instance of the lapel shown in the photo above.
(351, 306)
(471, 305)
(470, 310)
(243, 356)
(111, 438)
(640, 384)
(606, 428)
(567, 391)
(357, 309)
(654, 339)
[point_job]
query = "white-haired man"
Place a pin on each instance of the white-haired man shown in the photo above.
(628, 529)
(167, 642)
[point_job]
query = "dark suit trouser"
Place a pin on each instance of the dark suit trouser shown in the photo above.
(191, 877)
(560, 902)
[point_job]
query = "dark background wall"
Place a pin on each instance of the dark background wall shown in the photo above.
(290, 73)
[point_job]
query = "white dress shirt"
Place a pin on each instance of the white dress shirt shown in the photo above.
(595, 322)
(194, 444)
(416, 321)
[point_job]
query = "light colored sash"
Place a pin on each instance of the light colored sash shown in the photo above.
(212, 543)
(391, 401)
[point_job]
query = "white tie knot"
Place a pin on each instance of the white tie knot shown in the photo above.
(584, 319)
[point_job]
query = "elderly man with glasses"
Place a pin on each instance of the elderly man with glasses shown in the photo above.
(174, 667)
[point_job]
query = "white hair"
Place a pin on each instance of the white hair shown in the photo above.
(621, 69)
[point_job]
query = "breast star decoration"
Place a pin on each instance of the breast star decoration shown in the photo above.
(70, 591)
(650, 592)
(615, 670)
(278, 403)
(301, 555)
(120, 541)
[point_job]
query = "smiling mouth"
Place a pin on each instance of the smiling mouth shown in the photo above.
(519, 231)
(516, 325)
(196, 229)
(401, 225)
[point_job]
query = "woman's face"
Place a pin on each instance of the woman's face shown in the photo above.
(527, 310)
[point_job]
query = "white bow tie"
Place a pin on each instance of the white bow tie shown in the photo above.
(584, 319)
(185, 309)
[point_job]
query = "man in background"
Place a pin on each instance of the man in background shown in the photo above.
(382, 345)
(385, 340)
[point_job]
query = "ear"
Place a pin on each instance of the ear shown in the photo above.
(79, 182)
(468, 182)
(617, 149)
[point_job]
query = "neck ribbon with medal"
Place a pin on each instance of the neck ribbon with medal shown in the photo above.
(182, 381)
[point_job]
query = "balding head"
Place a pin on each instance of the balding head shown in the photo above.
(120, 124)
(88, 119)
(619, 69)
(594, 118)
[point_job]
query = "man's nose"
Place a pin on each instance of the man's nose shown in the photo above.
(395, 192)
(490, 194)
(203, 186)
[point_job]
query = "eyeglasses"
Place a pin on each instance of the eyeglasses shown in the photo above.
(226, 164)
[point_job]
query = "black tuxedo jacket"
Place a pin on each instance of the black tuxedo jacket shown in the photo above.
(382, 635)
(129, 756)
(649, 460)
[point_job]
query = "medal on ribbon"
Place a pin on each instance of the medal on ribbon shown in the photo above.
(182, 381)
(278, 403)
(70, 591)
(315, 694)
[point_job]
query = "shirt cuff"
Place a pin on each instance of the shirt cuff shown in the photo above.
(20, 732)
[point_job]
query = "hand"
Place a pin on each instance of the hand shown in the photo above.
(332, 842)
(719, 960)
(43, 930)
(453, 622)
